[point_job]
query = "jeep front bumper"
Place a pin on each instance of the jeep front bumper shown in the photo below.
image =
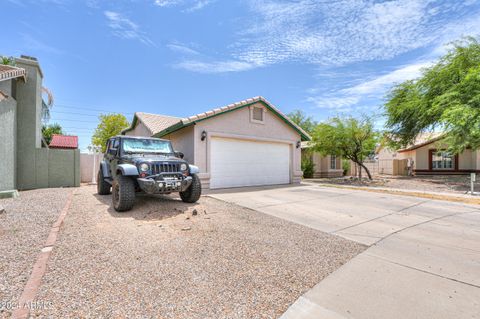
(165, 185)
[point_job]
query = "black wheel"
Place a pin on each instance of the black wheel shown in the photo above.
(103, 188)
(192, 194)
(123, 193)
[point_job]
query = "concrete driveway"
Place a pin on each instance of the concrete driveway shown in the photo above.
(423, 260)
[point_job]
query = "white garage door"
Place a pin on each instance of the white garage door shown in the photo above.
(235, 163)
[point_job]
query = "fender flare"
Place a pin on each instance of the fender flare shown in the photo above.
(128, 169)
(194, 169)
(105, 170)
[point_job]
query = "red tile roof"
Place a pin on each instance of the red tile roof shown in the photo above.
(63, 141)
(8, 72)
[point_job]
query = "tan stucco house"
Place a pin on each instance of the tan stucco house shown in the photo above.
(325, 166)
(247, 143)
(428, 155)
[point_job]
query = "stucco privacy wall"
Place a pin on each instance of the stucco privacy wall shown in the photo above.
(86, 166)
(23, 160)
(29, 105)
(237, 124)
(63, 167)
(8, 133)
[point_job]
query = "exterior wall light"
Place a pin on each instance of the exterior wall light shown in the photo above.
(204, 135)
(299, 144)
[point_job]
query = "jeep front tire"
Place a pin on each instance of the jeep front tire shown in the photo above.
(103, 188)
(192, 194)
(123, 193)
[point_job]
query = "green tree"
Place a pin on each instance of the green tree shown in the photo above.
(49, 130)
(446, 96)
(351, 138)
(7, 60)
(301, 119)
(110, 125)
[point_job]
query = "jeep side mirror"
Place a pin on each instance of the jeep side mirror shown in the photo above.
(112, 151)
(179, 154)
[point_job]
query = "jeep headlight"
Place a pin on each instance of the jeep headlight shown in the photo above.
(183, 167)
(144, 167)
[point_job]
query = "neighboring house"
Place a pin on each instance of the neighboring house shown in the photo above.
(429, 156)
(25, 164)
(242, 144)
(63, 141)
(325, 166)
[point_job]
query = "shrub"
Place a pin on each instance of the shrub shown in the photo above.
(345, 166)
(307, 167)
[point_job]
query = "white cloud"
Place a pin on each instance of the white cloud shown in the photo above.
(333, 102)
(182, 49)
(339, 33)
(191, 5)
(167, 3)
(343, 32)
(216, 66)
(380, 84)
(375, 87)
(199, 4)
(125, 28)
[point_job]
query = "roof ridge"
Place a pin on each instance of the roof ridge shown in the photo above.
(174, 117)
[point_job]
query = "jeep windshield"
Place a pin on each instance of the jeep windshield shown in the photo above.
(145, 145)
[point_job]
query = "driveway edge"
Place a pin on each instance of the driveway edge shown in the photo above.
(429, 195)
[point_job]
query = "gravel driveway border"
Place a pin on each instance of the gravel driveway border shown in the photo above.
(27, 299)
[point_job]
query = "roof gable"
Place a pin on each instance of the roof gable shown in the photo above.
(423, 140)
(173, 124)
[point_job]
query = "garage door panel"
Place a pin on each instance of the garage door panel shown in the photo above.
(236, 162)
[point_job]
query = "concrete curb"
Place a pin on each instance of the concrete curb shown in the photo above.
(27, 299)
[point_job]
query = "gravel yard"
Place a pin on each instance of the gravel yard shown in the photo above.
(163, 260)
(456, 184)
(24, 227)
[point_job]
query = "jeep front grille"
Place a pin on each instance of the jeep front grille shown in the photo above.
(165, 168)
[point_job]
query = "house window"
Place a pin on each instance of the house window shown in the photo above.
(443, 160)
(257, 114)
(333, 162)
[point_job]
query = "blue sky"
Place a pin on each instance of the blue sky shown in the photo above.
(182, 57)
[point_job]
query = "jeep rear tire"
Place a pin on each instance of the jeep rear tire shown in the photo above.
(123, 193)
(192, 194)
(103, 188)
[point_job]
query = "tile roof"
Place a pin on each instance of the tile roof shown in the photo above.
(422, 140)
(63, 141)
(8, 72)
(155, 122)
(160, 125)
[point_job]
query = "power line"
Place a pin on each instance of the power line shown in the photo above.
(70, 120)
(84, 114)
(66, 106)
(78, 128)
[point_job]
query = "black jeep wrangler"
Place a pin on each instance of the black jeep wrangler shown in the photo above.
(136, 164)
